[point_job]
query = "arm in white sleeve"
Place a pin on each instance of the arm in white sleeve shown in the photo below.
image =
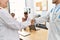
(8, 21)
(25, 24)
(43, 19)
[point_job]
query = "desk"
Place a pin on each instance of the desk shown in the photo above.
(36, 35)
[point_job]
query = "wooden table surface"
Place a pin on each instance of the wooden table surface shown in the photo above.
(36, 35)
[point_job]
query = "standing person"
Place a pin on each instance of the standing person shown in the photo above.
(54, 20)
(25, 19)
(8, 26)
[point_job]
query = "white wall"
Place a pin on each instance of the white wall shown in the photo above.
(30, 4)
(50, 5)
(43, 13)
(17, 7)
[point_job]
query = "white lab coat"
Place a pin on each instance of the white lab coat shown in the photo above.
(27, 22)
(54, 21)
(8, 26)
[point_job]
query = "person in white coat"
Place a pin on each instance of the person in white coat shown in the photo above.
(8, 26)
(54, 20)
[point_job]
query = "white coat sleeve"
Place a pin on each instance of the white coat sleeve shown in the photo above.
(8, 21)
(43, 19)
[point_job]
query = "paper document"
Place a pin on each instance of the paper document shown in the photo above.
(23, 33)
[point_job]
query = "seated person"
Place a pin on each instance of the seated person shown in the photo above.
(28, 21)
(25, 17)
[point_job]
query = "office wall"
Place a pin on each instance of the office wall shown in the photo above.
(17, 7)
(43, 13)
(50, 6)
(31, 4)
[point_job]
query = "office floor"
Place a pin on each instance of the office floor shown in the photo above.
(37, 35)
